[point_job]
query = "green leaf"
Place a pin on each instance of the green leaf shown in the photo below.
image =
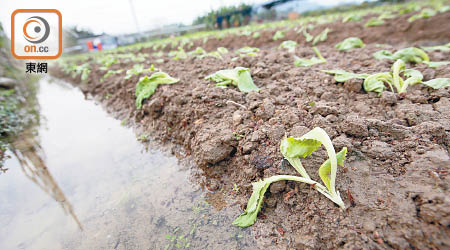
(436, 64)
(445, 47)
(375, 82)
(374, 22)
(197, 51)
(383, 54)
(352, 18)
(413, 76)
(247, 51)
(397, 81)
(425, 13)
(147, 86)
(343, 76)
(292, 148)
(222, 50)
(238, 76)
(255, 202)
(322, 36)
(325, 168)
(278, 35)
(289, 45)
(413, 55)
(308, 36)
(304, 62)
(350, 43)
(438, 83)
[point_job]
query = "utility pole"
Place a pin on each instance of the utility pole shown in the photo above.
(133, 13)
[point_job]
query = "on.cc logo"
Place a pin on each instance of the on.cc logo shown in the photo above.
(40, 28)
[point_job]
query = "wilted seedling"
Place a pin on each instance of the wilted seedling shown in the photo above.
(374, 22)
(138, 69)
(293, 149)
(83, 69)
(350, 43)
(376, 82)
(352, 18)
(278, 35)
(436, 64)
(222, 50)
(289, 45)
(238, 76)
(425, 13)
(304, 62)
(178, 54)
(147, 86)
(343, 76)
(445, 47)
(247, 51)
(411, 54)
(110, 73)
(322, 37)
(198, 51)
(308, 36)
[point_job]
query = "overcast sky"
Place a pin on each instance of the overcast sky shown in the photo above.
(114, 16)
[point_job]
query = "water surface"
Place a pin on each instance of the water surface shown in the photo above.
(80, 180)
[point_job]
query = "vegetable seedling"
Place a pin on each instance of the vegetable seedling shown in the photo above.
(374, 22)
(278, 35)
(238, 76)
(343, 76)
(138, 69)
(247, 51)
(411, 54)
(147, 86)
(289, 45)
(445, 47)
(293, 149)
(350, 43)
(425, 13)
(322, 37)
(308, 36)
(304, 62)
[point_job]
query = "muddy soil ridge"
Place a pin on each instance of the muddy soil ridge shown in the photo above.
(395, 179)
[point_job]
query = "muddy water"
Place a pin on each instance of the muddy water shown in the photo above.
(80, 180)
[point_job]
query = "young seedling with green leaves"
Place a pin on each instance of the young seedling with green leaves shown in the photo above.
(146, 86)
(304, 62)
(293, 149)
(350, 43)
(289, 45)
(239, 77)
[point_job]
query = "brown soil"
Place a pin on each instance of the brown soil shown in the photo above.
(394, 182)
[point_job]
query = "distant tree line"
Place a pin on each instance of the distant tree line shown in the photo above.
(228, 16)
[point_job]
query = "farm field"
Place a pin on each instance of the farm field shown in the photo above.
(386, 103)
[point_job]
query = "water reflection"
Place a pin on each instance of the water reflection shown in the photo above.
(28, 151)
(123, 196)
